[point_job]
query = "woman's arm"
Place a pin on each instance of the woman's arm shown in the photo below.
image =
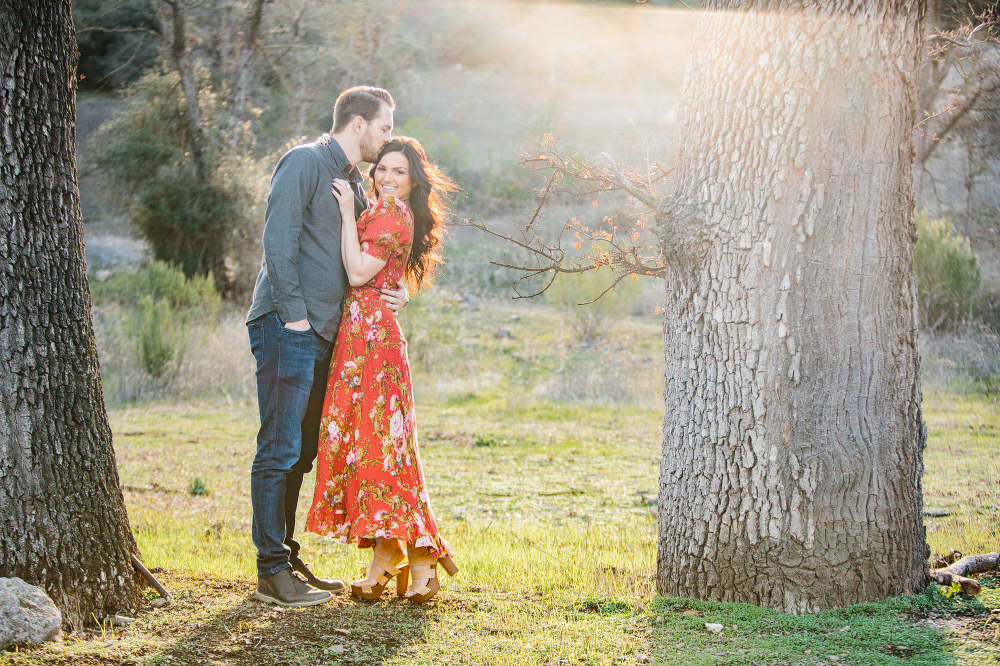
(361, 266)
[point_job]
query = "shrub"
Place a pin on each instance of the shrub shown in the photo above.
(596, 318)
(187, 221)
(160, 302)
(158, 335)
(158, 280)
(988, 310)
(198, 486)
(948, 273)
(442, 146)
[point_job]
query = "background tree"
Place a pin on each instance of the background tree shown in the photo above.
(959, 85)
(64, 525)
(792, 436)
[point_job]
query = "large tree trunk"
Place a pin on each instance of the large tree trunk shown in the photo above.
(63, 524)
(793, 436)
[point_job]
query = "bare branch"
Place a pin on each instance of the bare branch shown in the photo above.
(622, 241)
(624, 182)
(968, 44)
(141, 31)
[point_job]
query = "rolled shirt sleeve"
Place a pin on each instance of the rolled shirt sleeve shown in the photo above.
(293, 184)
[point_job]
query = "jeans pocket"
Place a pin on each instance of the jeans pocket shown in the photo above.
(307, 334)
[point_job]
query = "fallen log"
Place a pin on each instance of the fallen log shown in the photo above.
(947, 559)
(967, 566)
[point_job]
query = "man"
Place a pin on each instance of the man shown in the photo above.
(292, 325)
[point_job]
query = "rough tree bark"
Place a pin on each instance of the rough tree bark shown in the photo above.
(793, 437)
(63, 524)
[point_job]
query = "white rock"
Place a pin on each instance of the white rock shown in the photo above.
(27, 615)
(714, 628)
(336, 649)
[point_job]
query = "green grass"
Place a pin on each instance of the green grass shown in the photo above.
(962, 472)
(551, 510)
(540, 508)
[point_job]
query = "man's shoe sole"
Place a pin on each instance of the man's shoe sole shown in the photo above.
(260, 596)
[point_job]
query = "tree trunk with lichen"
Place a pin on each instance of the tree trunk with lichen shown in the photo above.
(793, 437)
(63, 524)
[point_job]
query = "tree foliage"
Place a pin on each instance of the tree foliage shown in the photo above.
(948, 271)
(147, 170)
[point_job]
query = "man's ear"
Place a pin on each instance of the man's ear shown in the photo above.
(359, 124)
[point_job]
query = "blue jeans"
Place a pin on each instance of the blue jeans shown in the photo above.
(292, 367)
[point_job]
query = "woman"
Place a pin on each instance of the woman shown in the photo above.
(370, 487)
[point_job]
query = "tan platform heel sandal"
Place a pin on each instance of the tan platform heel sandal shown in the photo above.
(382, 569)
(423, 568)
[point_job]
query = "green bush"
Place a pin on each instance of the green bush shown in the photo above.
(158, 336)
(158, 280)
(187, 221)
(948, 272)
(442, 146)
(160, 303)
(597, 318)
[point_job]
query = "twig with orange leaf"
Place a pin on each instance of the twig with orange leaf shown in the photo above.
(624, 240)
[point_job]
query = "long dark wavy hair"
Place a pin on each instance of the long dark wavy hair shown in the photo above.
(429, 204)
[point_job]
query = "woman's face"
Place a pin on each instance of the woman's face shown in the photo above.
(392, 176)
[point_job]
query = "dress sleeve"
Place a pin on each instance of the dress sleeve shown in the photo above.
(389, 230)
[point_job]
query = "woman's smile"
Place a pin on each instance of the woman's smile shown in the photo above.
(392, 176)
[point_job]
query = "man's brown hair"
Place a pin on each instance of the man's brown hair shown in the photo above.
(364, 101)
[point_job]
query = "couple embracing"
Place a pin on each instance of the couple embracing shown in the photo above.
(333, 380)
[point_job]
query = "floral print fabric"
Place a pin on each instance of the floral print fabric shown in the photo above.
(369, 482)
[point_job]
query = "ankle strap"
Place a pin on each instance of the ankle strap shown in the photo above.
(385, 565)
(418, 571)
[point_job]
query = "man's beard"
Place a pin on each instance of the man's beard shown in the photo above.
(369, 153)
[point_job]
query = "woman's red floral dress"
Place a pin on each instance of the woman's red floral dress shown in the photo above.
(369, 482)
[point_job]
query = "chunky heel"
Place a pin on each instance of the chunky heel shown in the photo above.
(423, 568)
(449, 566)
(402, 580)
(381, 571)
